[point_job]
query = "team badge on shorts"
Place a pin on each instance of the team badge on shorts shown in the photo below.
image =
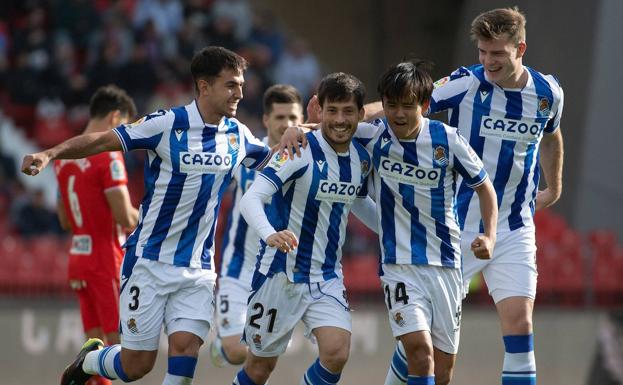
(440, 156)
(399, 319)
(225, 323)
(132, 325)
(257, 341)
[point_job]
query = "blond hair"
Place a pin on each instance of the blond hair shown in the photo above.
(500, 23)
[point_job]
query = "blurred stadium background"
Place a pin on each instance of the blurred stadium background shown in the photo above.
(54, 53)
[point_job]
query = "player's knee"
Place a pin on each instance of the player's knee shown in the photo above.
(184, 344)
(136, 364)
(421, 357)
(518, 324)
(259, 369)
(443, 377)
(235, 351)
(138, 368)
(334, 359)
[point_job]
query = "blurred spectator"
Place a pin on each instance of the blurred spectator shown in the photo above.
(139, 77)
(298, 66)
(166, 15)
(34, 218)
(238, 12)
(266, 33)
(222, 32)
(77, 17)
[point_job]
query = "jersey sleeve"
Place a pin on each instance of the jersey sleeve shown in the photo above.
(366, 131)
(554, 123)
(449, 91)
(256, 152)
(113, 171)
(281, 169)
(146, 132)
(466, 162)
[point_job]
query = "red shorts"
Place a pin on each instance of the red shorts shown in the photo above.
(99, 304)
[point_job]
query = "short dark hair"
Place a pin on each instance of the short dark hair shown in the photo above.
(110, 98)
(208, 63)
(408, 79)
(280, 93)
(340, 87)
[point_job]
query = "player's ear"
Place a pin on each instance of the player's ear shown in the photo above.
(425, 106)
(521, 48)
(202, 86)
(114, 118)
(362, 113)
(265, 120)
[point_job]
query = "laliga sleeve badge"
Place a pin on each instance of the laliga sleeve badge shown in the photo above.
(278, 160)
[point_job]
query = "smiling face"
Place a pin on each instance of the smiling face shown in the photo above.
(220, 97)
(339, 122)
(502, 60)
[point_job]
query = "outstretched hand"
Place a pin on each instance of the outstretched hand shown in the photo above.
(32, 164)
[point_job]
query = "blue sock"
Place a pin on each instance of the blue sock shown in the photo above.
(417, 380)
(243, 379)
(119, 369)
(316, 374)
(181, 370)
(398, 370)
(519, 364)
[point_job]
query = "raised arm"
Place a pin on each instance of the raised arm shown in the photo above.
(77, 147)
(551, 165)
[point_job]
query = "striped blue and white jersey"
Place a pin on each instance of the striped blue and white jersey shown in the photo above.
(189, 165)
(314, 194)
(241, 242)
(414, 187)
(504, 127)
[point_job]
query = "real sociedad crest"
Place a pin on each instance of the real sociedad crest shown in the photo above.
(233, 141)
(440, 157)
(544, 107)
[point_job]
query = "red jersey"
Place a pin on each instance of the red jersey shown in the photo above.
(96, 237)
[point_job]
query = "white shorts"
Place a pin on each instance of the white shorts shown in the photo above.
(511, 272)
(424, 298)
(157, 294)
(231, 307)
(278, 305)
